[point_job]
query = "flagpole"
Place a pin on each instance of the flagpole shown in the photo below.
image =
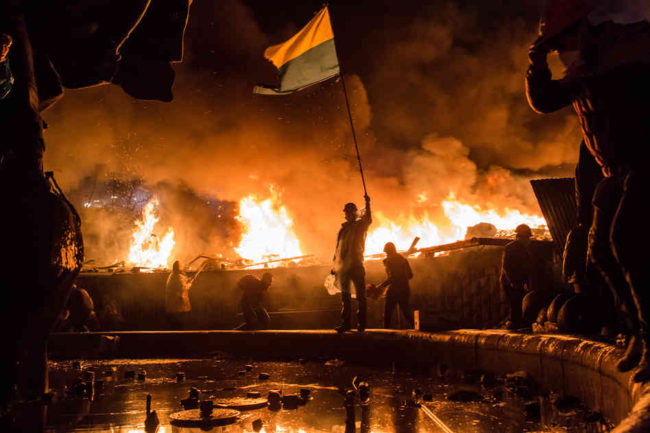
(347, 105)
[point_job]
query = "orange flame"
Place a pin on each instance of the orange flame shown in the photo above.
(460, 216)
(146, 249)
(268, 230)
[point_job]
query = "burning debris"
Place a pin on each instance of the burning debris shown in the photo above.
(267, 230)
(267, 235)
(147, 249)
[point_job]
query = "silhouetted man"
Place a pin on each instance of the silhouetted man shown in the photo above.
(516, 273)
(398, 294)
(348, 263)
(253, 293)
(606, 82)
(177, 299)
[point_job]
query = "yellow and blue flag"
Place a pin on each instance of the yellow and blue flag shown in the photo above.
(308, 58)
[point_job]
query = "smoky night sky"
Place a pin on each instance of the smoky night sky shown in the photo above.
(437, 94)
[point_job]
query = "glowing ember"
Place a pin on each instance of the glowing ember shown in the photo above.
(268, 230)
(460, 216)
(147, 250)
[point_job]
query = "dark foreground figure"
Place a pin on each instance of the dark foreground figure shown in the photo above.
(252, 301)
(607, 78)
(398, 293)
(41, 248)
(348, 263)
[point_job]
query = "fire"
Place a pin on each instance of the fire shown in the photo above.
(463, 216)
(268, 230)
(460, 216)
(401, 234)
(147, 250)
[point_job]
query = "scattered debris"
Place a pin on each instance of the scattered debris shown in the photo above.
(142, 376)
(291, 401)
(180, 376)
(257, 425)
(248, 367)
(264, 376)
(253, 394)
(151, 422)
(364, 392)
(206, 407)
(305, 393)
(129, 374)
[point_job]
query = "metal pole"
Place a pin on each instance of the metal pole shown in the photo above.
(347, 105)
(354, 134)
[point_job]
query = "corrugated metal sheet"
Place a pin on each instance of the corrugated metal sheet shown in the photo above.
(556, 198)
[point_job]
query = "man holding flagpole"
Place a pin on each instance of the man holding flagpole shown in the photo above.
(348, 263)
(309, 58)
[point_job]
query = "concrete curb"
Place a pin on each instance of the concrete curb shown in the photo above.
(573, 366)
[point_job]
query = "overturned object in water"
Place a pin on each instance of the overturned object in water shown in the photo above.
(275, 398)
(291, 401)
(193, 418)
(257, 425)
(206, 407)
(241, 403)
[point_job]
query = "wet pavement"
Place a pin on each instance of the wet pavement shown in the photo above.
(117, 402)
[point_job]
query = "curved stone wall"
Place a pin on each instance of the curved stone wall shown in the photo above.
(577, 367)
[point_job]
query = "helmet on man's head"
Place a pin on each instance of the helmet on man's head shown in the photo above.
(350, 207)
(559, 15)
(390, 248)
(523, 231)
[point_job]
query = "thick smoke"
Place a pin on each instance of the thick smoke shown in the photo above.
(436, 93)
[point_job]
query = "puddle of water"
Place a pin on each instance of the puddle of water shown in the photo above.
(120, 406)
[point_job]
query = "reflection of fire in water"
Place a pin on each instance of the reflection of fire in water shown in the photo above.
(268, 230)
(460, 215)
(146, 248)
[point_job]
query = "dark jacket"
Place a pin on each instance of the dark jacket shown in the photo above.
(351, 243)
(587, 175)
(399, 273)
(253, 290)
(613, 108)
(517, 266)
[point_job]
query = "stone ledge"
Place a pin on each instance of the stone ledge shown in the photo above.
(583, 368)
